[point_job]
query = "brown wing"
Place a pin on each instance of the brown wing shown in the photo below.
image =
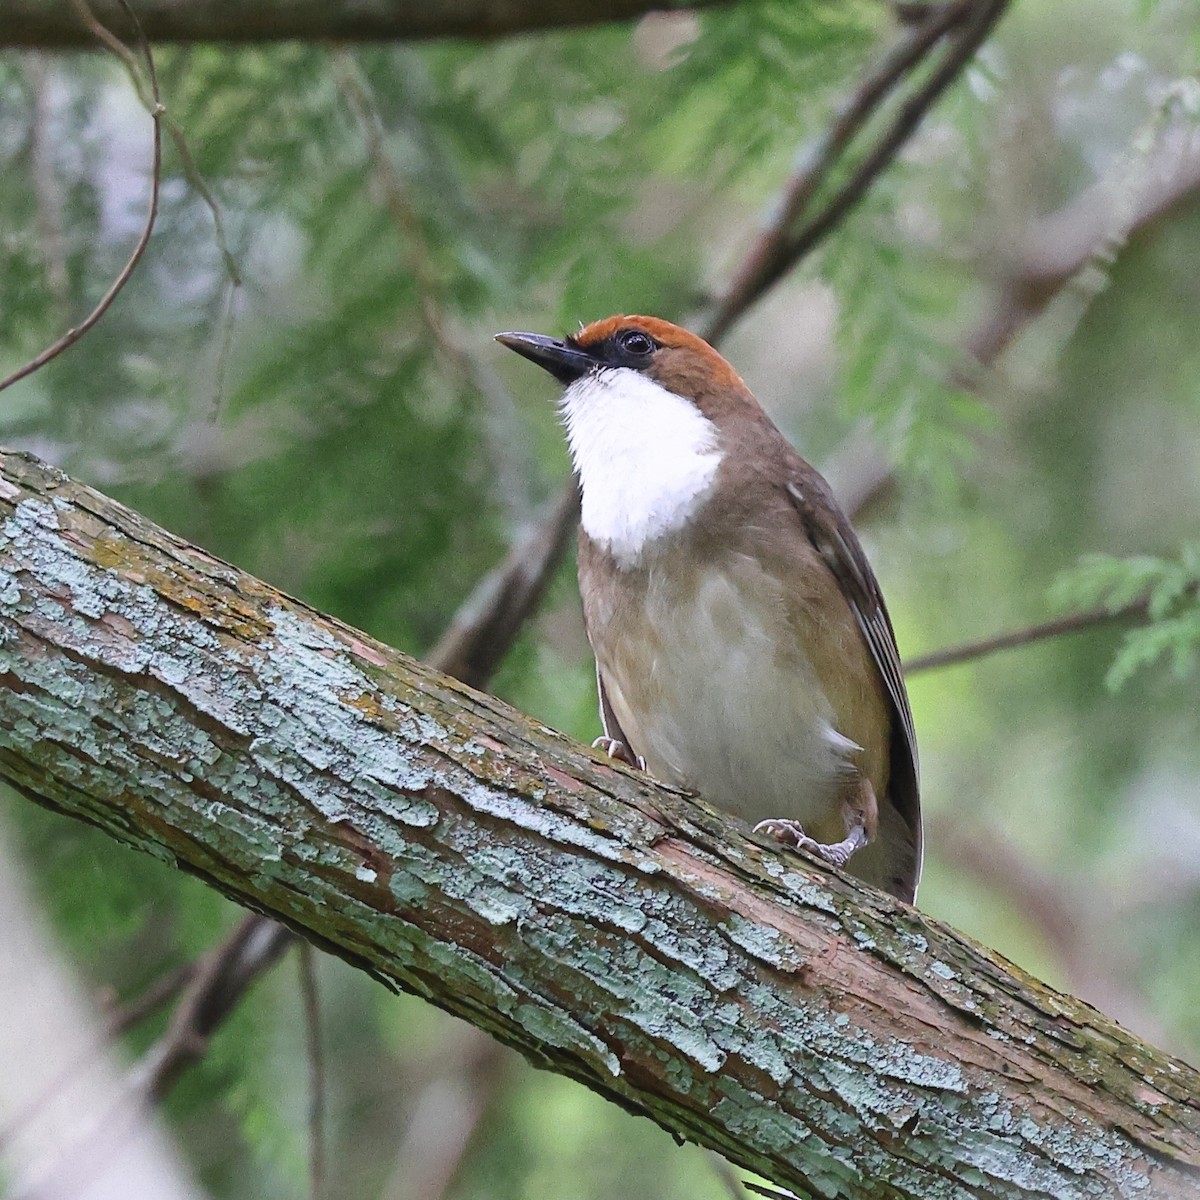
(833, 538)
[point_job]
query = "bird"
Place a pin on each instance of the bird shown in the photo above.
(743, 648)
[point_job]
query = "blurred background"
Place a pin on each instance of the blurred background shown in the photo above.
(995, 355)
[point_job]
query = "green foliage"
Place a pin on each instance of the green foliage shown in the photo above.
(899, 367)
(1170, 592)
(758, 79)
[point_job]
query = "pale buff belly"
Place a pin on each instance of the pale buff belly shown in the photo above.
(713, 689)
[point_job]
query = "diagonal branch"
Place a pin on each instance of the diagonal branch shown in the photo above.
(810, 1029)
(224, 974)
(962, 26)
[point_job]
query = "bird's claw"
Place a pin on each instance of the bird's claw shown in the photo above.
(791, 833)
(615, 748)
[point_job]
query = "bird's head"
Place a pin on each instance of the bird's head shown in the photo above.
(677, 361)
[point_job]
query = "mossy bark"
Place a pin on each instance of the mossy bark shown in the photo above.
(809, 1028)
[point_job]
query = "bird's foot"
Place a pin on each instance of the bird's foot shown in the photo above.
(791, 833)
(615, 748)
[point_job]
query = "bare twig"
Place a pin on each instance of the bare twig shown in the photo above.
(316, 1072)
(73, 335)
(162, 991)
(963, 26)
(193, 175)
(224, 350)
(1137, 612)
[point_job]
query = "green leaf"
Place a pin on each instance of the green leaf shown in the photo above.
(1170, 590)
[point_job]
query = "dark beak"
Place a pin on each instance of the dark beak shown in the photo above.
(564, 362)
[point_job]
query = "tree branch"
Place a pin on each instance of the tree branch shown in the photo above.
(49, 23)
(810, 1029)
(963, 25)
(222, 978)
(1136, 612)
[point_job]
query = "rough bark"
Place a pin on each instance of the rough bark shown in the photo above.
(53, 24)
(805, 1026)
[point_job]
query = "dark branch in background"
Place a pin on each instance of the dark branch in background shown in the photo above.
(962, 26)
(73, 335)
(47, 23)
(223, 977)
(485, 627)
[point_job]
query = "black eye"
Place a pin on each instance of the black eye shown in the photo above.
(634, 341)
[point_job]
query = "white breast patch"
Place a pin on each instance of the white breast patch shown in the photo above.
(646, 457)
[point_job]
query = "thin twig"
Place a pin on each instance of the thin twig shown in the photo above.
(316, 1072)
(1137, 612)
(964, 26)
(73, 335)
(191, 172)
(224, 350)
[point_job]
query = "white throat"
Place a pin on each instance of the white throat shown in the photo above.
(647, 459)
